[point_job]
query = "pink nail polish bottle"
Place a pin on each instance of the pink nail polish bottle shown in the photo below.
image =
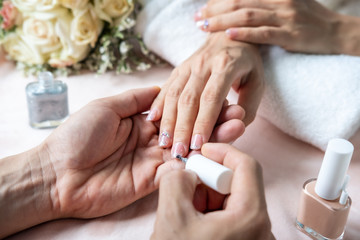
(325, 204)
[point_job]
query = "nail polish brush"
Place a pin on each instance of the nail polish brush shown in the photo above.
(211, 173)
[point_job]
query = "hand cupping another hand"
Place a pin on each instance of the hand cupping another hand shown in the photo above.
(300, 26)
(191, 100)
(106, 156)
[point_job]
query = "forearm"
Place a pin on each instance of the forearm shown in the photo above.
(348, 35)
(25, 195)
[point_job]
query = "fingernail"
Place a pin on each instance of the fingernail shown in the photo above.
(203, 24)
(196, 142)
(231, 33)
(164, 139)
(198, 15)
(151, 115)
(178, 149)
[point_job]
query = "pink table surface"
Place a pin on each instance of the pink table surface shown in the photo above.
(286, 162)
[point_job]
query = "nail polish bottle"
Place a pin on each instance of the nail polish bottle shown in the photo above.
(47, 101)
(325, 204)
(211, 173)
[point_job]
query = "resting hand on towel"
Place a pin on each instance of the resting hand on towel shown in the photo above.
(190, 101)
(190, 211)
(101, 159)
(300, 26)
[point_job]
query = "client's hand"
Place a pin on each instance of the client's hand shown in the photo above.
(103, 158)
(301, 26)
(191, 100)
(240, 215)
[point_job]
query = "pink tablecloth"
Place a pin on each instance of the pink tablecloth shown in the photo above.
(286, 162)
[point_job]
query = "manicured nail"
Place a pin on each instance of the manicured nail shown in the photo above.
(164, 139)
(178, 149)
(203, 24)
(197, 15)
(151, 115)
(231, 33)
(196, 142)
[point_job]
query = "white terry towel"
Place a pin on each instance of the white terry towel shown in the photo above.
(311, 97)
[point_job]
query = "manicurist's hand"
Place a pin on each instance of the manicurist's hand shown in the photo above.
(191, 100)
(240, 215)
(300, 26)
(101, 159)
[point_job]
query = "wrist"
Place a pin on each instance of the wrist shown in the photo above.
(347, 35)
(26, 191)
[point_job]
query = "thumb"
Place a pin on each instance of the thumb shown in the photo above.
(133, 101)
(177, 190)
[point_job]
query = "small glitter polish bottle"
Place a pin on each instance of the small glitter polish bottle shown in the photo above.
(47, 101)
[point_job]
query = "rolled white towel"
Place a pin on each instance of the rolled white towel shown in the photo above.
(311, 97)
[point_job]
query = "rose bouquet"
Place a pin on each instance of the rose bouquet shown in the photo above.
(70, 35)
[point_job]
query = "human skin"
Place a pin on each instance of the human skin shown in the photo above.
(101, 159)
(299, 26)
(240, 215)
(190, 101)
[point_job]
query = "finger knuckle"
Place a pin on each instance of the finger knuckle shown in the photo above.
(203, 124)
(175, 73)
(222, 61)
(212, 96)
(217, 23)
(235, 5)
(173, 93)
(173, 176)
(181, 134)
(289, 3)
(267, 34)
(167, 122)
(252, 164)
(249, 16)
(189, 98)
(250, 117)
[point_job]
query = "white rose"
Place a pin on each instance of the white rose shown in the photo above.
(71, 52)
(35, 5)
(74, 4)
(86, 26)
(19, 49)
(41, 33)
(108, 10)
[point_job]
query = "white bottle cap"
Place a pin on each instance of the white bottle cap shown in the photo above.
(333, 169)
(211, 173)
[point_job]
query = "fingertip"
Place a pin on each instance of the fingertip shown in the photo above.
(231, 33)
(228, 131)
(178, 149)
(196, 142)
(198, 16)
(153, 115)
(230, 112)
(167, 167)
(203, 24)
(164, 139)
(200, 13)
(157, 88)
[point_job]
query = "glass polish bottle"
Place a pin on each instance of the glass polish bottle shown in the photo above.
(47, 101)
(325, 204)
